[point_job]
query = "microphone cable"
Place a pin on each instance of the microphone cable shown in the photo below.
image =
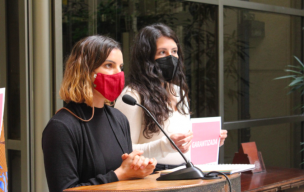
(220, 173)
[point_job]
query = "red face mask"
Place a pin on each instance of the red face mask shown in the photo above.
(110, 86)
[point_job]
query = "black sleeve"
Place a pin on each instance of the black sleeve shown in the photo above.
(60, 150)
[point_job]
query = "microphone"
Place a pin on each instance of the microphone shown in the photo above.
(190, 172)
(129, 100)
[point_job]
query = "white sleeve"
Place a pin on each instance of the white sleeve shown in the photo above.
(157, 148)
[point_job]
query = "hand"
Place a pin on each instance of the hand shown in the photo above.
(223, 136)
(139, 162)
(182, 141)
(125, 171)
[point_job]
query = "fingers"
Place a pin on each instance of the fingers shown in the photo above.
(142, 167)
(125, 156)
(152, 165)
(189, 133)
(184, 141)
(134, 153)
(223, 136)
(185, 148)
(145, 163)
(177, 136)
(151, 161)
(135, 161)
(182, 138)
(147, 170)
(181, 143)
(140, 161)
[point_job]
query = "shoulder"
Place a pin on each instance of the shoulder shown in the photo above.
(176, 88)
(63, 122)
(132, 92)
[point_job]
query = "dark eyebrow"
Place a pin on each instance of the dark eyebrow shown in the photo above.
(113, 62)
(166, 48)
(110, 61)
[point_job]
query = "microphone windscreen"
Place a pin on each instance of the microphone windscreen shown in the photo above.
(128, 100)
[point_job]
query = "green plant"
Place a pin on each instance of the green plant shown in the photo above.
(297, 76)
(297, 82)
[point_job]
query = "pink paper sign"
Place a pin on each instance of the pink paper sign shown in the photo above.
(205, 143)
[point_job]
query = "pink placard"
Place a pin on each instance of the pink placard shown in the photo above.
(205, 145)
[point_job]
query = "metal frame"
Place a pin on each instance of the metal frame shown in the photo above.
(57, 52)
(263, 7)
(221, 68)
(31, 110)
(24, 95)
(92, 17)
(253, 6)
(261, 122)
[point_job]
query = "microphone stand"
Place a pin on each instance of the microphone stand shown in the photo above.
(190, 172)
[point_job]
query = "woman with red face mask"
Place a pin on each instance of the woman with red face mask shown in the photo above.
(157, 81)
(88, 142)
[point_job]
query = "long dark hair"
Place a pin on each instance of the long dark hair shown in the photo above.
(146, 77)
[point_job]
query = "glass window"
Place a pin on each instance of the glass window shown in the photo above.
(258, 47)
(297, 4)
(14, 167)
(194, 23)
(279, 144)
(13, 69)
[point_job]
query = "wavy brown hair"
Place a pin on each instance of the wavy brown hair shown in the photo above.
(86, 56)
(146, 77)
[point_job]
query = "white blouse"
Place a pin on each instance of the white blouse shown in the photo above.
(158, 146)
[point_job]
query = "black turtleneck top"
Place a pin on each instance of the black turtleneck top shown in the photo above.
(78, 153)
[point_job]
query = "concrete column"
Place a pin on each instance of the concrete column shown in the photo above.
(42, 83)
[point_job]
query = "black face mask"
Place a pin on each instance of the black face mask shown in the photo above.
(168, 66)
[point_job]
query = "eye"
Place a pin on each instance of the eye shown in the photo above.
(162, 52)
(174, 51)
(108, 65)
(121, 67)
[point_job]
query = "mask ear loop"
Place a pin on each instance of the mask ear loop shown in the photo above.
(76, 115)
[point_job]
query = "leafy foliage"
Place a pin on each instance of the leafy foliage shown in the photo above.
(297, 76)
(297, 82)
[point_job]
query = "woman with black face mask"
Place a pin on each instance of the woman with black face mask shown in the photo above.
(157, 81)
